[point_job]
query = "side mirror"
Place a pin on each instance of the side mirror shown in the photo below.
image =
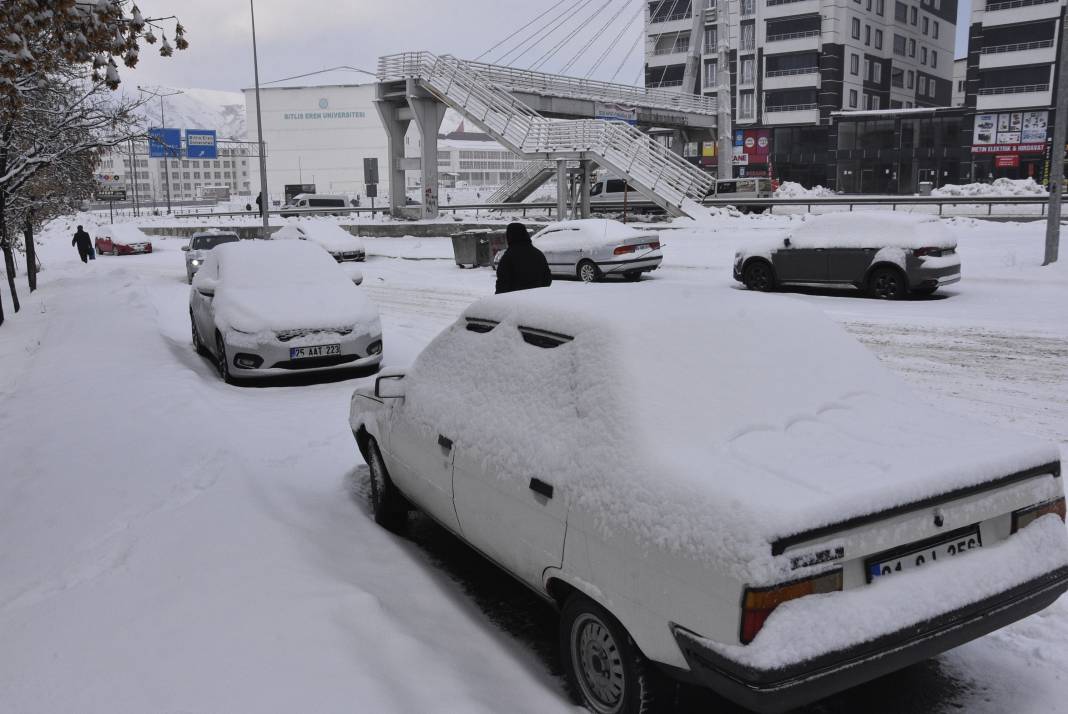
(185, 249)
(205, 285)
(786, 242)
(390, 387)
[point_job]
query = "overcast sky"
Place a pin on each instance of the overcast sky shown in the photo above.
(298, 36)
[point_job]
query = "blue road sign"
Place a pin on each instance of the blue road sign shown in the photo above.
(200, 144)
(164, 143)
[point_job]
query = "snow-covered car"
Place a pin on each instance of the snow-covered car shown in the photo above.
(121, 239)
(769, 513)
(199, 244)
(592, 249)
(887, 254)
(264, 308)
(338, 242)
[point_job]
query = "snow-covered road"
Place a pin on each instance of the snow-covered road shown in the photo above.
(175, 544)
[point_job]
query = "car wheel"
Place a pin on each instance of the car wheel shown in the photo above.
(387, 504)
(588, 272)
(197, 344)
(604, 667)
(758, 276)
(886, 284)
(221, 361)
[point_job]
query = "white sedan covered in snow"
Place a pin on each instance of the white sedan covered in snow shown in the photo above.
(769, 513)
(592, 249)
(334, 239)
(263, 308)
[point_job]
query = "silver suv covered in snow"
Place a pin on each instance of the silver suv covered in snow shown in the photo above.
(199, 245)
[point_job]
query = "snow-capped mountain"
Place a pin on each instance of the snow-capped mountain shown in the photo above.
(202, 109)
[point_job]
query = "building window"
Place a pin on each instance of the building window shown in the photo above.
(897, 77)
(856, 29)
(880, 7)
(908, 105)
(196, 174)
(913, 15)
(853, 98)
(185, 164)
(867, 35)
(934, 58)
(872, 101)
(923, 55)
(901, 12)
(877, 72)
(878, 39)
(869, 5)
(926, 26)
(912, 79)
(747, 71)
(745, 104)
(710, 75)
(912, 48)
(899, 45)
(748, 36)
(748, 7)
(936, 29)
(710, 40)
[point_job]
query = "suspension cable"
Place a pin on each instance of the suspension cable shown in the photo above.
(542, 34)
(543, 14)
(578, 28)
(612, 17)
(615, 40)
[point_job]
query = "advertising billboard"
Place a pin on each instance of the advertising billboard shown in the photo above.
(1010, 132)
(164, 143)
(201, 144)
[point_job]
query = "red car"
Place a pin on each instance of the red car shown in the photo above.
(121, 240)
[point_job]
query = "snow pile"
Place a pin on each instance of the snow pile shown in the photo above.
(1000, 187)
(122, 233)
(330, 235)
(791, 189)
(284, 285)
(762, 418)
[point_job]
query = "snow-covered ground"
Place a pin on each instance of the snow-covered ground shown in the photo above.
(175, 544)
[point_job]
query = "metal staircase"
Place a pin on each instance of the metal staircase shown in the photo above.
(661, 175)
(525, 183)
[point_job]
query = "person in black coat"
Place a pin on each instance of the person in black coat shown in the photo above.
(522, 266)
(84, 244)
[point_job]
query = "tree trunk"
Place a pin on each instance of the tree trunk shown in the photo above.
(9, 266)
(31, 254)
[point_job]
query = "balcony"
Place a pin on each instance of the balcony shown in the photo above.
(792, 42)
(676, 22)
(1012, 12)
(792, 114)
(790, 78)
(1017, 97)
(1020, 53)
(786, 8)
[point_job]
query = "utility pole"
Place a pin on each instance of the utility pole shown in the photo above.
(163, 125)
(264, 205)
(133, 165)
(724, 128)
(1060, 134)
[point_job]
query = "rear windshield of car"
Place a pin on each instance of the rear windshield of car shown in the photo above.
(209, 242)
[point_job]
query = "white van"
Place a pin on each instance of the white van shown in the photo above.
(612, 190)
(752, 187)
(315, 200)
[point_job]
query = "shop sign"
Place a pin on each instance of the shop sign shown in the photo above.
(1010, 161)
(612, 111)
(1009, 149)
(756, 145)
(1010, 128)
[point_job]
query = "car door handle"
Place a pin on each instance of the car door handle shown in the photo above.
(540, 487)
(444, 442)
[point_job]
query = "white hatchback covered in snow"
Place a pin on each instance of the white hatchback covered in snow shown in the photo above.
(768, 512)
(334, 239)
(265, 308)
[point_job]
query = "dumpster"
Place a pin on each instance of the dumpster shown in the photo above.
(476, 248)
(925, 188)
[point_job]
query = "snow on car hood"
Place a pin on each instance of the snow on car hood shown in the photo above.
(701, 421)
(294, 307)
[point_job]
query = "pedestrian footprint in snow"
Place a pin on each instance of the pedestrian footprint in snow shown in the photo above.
(83, 243)
(522, 266)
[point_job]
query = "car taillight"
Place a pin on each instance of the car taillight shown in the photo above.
(655, 245)
(1025, 516)
(758, 603)
(624, 249)
(933, 252)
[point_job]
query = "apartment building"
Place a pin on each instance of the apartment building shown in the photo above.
(795, 64)
(1009, 86)
(189, 179)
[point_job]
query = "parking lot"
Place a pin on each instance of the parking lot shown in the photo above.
(199, 547)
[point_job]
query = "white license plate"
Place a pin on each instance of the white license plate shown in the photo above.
(314, 351)
(924, 553)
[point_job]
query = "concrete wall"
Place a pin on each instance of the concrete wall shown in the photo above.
(385, 230)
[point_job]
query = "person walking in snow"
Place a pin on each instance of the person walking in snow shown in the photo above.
(522, 266)
(83, 243)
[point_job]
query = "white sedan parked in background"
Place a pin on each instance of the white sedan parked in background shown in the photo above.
(334, 239)
(594, 248)
(262, 308)
(766, 511)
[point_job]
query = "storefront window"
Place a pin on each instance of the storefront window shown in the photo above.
(847, 135)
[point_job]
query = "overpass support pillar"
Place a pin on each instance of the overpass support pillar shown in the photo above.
(396, 127)
(586, 167)
(428, 113)
(562, 190)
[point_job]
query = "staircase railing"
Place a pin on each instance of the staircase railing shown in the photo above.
(531, 171)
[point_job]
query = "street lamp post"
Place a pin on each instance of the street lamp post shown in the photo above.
(264, 205)
(163, 125)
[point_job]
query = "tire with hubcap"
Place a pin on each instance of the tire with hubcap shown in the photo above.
(387, 504)
(604, 667)
(197, 344)
(222, 362)
(887, 284)
(758, 276)
(588, 271)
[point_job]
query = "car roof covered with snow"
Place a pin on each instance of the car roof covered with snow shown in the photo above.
(281, 285)
(323, 231)
(872, 229)
(124, 233)
(700, 420)
(598, 227)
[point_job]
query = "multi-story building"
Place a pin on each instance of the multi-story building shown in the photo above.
(793, 64)
(189, 179)
(1009, 86)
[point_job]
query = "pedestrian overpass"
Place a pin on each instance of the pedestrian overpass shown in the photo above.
(546, 118)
